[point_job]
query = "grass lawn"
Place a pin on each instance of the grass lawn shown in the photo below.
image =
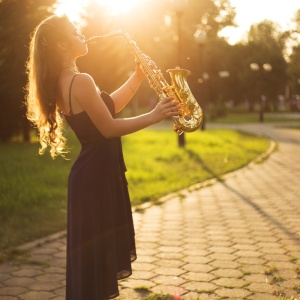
(34, 188)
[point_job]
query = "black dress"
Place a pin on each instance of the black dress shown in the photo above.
(100, 232)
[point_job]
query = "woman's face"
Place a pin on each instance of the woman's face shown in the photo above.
(77, 45)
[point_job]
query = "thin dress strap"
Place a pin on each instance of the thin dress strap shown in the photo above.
(70, 90)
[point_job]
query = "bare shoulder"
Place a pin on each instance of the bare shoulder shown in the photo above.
(85, 92)
(85, 79)
(84, 85)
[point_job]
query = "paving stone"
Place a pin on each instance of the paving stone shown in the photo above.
(200, 287)
(230, 282)
(251, 260)
(195, 252)
(43, 251)
(262, 296)
(194, 247)
(261, 287)
(248, 253)
(260, 278)
(145, 251)
(197, 259)
(169, 263)
(56, 270)
(147, 259)
(135, 283)
(233, 293)
(165, 255)
(277, 257)
(169, 271)
(269, 245)
(168, 242)
(202, 296)
(281, 265)
(45, 286)
(168, 290)
(12, 291)
(128, 293)
(60, 291)
(19, 282)
(168, 280)
(224, 264)
(27, 273)
(33, 295)
(227, 273)
(145, 275)
(4, 276)
(216, 249)
(192, 276)
(223, 256)
(202, 268)
(50, 278)
(143, 266)
(170, 249)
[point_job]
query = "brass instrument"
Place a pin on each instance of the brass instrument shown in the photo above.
(190, 115)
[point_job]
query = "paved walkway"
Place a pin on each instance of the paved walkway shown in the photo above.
(233, 239)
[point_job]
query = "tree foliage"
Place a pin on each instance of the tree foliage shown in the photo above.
(17, 21)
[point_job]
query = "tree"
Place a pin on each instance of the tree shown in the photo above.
(266, 49)
(17, 20)
(294, 58)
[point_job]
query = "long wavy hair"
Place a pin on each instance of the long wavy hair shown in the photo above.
(43, 68)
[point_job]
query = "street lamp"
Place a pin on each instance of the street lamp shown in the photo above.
(178, 7)
(266, 67)
(200, 38)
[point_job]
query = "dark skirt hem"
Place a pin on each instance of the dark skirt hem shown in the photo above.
(120, 278)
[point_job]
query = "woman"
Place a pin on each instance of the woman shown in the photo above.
(100, 239)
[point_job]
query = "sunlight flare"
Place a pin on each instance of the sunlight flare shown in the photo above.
(74, 9)
(117, 7)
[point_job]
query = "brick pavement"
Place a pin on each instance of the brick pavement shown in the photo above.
(238, 238)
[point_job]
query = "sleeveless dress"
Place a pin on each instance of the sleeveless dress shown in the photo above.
(100, 232)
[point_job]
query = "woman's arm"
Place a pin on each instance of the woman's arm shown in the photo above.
(85, 92)
(124, 94)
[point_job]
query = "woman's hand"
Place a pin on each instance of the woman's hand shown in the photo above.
(166, 108)
(138, 71)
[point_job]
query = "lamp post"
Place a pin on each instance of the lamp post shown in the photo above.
(200, 38)
(264, 68)
(179, 6)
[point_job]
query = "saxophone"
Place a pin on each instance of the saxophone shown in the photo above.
(190, 114)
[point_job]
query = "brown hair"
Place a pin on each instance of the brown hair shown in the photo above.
(43, 68)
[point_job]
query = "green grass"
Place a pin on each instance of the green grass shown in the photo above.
(162, 167)
(34, 188)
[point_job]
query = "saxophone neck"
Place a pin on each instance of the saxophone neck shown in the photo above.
(95, 39)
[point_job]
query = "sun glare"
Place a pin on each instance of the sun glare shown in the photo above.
(118, 6)
(74, 8)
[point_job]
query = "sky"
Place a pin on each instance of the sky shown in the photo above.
(255, 11)
(247, 12)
